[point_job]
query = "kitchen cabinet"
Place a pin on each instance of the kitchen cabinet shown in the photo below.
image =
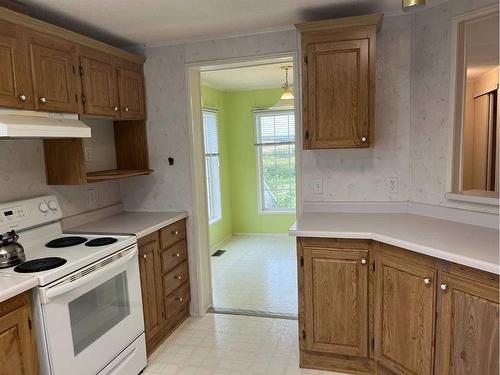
(405, 308)
(469, 339)
(17, 343)
(338, 82)
(99, 86)
(16, 90)
(53, 67)
(165, 283)
(131, 90)
(399, 312)
(149, 267)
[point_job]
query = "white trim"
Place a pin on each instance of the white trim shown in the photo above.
(263, 234)
(462, 197)
(215, 247)
(202, 282)
(356, 206)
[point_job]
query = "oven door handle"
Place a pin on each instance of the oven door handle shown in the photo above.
(55, 291)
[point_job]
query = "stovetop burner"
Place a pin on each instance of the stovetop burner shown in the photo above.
(102, 241)
(66, 242)
(37, 265)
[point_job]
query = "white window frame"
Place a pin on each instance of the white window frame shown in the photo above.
(260, 178)
(208, 177)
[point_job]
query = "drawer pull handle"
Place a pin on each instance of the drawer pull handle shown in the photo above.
(444, 287)
(43, 100)
(175, 233)
(363, 261)
(22, 98)
(427, 281)
(180, 299)
(178, 277)
(177, 255)
(126, 109)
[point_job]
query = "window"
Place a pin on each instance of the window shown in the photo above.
(276, 158)
(212, 165)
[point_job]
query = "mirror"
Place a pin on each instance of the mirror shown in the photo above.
(477, 89)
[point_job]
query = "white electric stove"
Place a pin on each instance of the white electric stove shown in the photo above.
(88, 306)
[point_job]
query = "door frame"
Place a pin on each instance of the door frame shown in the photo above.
(195, 135)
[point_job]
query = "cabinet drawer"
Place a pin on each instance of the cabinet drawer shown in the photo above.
(173, 256)
(172, 234)
(152, 237)
(175, 278)
(177, 300)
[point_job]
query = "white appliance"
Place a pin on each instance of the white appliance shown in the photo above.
(30, 124)
(88, 308)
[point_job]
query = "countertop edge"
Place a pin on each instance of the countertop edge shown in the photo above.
(22, 286)
(433, 252)
(162, 224)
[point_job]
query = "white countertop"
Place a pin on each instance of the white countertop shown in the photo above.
(11, 286)
(465, 244)
(138, 223)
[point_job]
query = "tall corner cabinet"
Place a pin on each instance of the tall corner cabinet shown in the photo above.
(338, 81)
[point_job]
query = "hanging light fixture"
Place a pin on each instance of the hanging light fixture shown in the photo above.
(287, 94)
(411, 5)
(286, 99)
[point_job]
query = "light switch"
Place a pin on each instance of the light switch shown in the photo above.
(317, 185)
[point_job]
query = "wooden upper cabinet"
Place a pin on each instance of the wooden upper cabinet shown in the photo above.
(405, 312)
(99, 85)
(335, 287)
(131, 91)
(54, 70)
(469, 327)
(16, 90)
(338, 87)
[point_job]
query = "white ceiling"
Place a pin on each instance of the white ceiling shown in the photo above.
(248, 78)
(482, 41)
(159, 22)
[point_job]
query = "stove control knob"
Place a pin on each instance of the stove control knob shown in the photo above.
(43, 207)
(53, 205)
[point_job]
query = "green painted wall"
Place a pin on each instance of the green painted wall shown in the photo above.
(239, 164)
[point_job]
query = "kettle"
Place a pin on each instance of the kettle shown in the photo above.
(11, 251)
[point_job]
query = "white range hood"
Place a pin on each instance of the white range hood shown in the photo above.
(31, 124)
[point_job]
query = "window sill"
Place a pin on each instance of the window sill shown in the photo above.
(474, 196)
(214, 221)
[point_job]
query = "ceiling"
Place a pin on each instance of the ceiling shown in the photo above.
(482, 46)
(248, 78)
(161, 22)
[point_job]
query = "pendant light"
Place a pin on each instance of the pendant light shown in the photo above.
(286, 99)
(411, 5)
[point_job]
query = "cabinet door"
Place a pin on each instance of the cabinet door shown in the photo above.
(17, 354)
(336, 301)
(16, 90)
(149, 265)
(131, 93)
(337, 94)
(405, 312)
(53, 64)
(468, 327)
(100, 91)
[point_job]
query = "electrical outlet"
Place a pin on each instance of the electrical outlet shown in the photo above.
(317, 185)
(92, 202)
(392, 185)
(88, 153)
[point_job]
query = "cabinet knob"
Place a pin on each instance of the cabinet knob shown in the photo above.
(22, 98)
(444, 287)
(363, 261)
(115, 108)
(177, 255)
(126, 109)
(178, 277)
(427, 281)
(180, 299)
(43, 100)
(363, 139)
(145, 256)
(175, 232)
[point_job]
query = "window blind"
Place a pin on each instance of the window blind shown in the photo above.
(211, 133)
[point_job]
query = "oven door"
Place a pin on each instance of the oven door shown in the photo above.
(93, 315)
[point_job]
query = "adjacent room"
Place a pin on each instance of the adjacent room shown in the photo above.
(249, 139)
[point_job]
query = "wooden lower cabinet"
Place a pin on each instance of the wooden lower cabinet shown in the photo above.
(164, 282)
(370, 308)
(17, 342)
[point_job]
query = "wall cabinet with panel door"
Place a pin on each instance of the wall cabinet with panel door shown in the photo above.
(16, 89)
(165, 282)
(131, 90)
(17, 341)
(338, 81)
(425, 316)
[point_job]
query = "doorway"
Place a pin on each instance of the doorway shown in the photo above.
(248, 154)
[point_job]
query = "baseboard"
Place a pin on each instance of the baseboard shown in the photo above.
(262, 234)
(214, 248)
